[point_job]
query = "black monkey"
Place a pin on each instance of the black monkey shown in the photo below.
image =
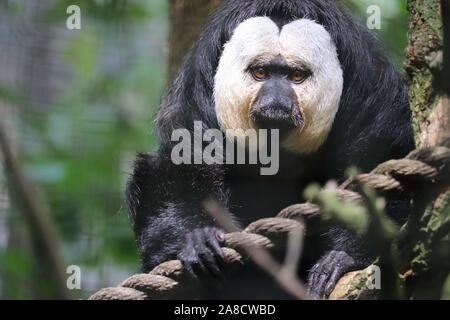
(304, 67)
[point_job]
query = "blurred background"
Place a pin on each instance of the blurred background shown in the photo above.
(76, 106)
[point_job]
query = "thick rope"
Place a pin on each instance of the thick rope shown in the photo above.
(428, 167)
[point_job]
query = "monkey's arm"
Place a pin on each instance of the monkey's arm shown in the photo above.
(345, 254)
(348, 252)
(165, 202)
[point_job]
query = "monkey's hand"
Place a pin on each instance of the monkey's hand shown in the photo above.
(202, 254)
(324, 275)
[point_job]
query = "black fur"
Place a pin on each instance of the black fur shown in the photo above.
(372, 125)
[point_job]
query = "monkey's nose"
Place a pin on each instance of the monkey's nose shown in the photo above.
(271, 117)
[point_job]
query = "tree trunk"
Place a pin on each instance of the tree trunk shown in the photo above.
(425, 245)
(431, 112)
(428, 62)
(187, 18)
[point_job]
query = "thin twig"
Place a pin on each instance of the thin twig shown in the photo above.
(294, 251)
(261, 257)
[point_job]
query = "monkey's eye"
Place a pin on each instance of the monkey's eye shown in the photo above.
(259, 73)
(298, 76)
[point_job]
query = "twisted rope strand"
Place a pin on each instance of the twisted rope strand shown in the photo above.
(428, 167)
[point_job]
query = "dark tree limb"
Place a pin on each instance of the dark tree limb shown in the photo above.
(44, 235)
(187, 18)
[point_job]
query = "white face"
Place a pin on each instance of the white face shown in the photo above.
(300, 43)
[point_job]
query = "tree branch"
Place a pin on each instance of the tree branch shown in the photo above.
(37, 217)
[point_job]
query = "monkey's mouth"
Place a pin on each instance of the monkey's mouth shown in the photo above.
(271, 118)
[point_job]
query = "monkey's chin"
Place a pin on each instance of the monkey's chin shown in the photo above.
(303, 142)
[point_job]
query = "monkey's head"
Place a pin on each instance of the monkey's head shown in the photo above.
(306, 67)
(280, 77)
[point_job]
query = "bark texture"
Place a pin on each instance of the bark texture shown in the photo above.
(427, 59)
(424, 242)
(187, 18)
(424, 66)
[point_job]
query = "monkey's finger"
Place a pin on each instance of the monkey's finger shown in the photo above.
(335, 276)
(200, 267)
(211, 264)
(213, 243)
(217, 249)
(199, 241)
(315, 276)
(343, 263)
(320, 285)
(312, 284)
(220, 235)
(188, 266)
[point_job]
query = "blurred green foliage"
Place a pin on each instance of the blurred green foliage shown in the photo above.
(79, 149)
(394, 24)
